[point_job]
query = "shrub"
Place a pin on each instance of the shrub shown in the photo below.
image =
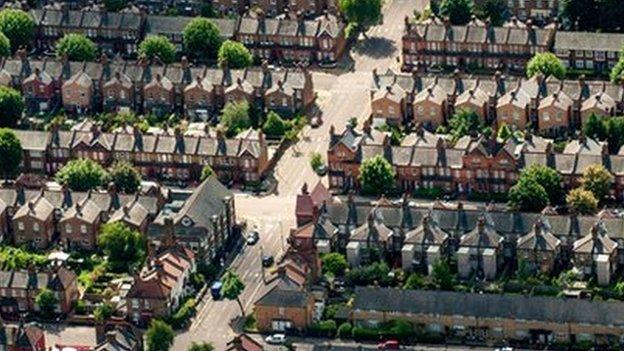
(324, 328)
(344, 330)
(183, 314)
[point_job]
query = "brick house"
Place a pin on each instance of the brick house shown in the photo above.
(598, 52)
(20, 288)
(23, 337)
(80, 224)
(539, 248)
(77, 93)
(596, 254)
(424, 245)
(33, 223)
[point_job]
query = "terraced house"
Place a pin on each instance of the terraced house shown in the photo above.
(196, 91)
(551, 106)
(243, 159)
(438, 43)
(73, 219)
(276, 7)
(472, 164)
(538, 10)
(481, 239)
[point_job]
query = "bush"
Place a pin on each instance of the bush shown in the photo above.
(363, 333)
(324, 328)
(82, 174)
(429, 193)
(316, 161)
(183, 315)
(367, 275)
(275, 126)
(344, 330)
(235, 54)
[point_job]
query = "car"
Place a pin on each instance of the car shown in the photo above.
(316, 122)
(276, 339)
(252, 238)
(506, 348)
(267, 261)
(388, 345)
(321, 170)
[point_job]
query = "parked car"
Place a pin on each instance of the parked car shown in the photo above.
(506, 348)
(267, 260)
(253, 237)
(321, 170)
(215, 290)
(388, 345)
(316, 122)
(276, 339)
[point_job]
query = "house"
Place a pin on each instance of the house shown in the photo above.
(424, 246)
(19, 290)
(309, 203)
(243, 342)
(23, 337)
(480, 251)
(205, 222)
(33, 222)
(78, 93)
(539, 248)
(159, 288)
(79, 225)
(598, 52)
(120, 338)
(596, 254)
(491, 318)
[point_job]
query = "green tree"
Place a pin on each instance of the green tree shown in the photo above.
(207, 172)
(364, 13)
(463, 122)
(114, 5)
(10, 153)
(159, 336)
(334, 263)
(234, 54)
(458, 12)
(82, 174)
(442, 275)
(5, 46)
(201, 346)
(235, 117)
(582, 201)
(233, 286)
(597, 179)
(201, 38)
(125, 177)
(494, 10)
(46, 301)
(76, 47)
(504, 132)
(123, 246)
(11, 105)
(548, 178)
(615, 133)
(275, 126)
(376, 176)
(595, 128)
(316, 161)
(103, 312)
(414, 281)
(547, 64)
(616, 71)
(528, 195)
(158, 46)
(579, 13)
(344, 330)
(18, 27)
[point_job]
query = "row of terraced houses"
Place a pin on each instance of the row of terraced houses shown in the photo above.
(546, 104)
(437, 42)
(197, 92)
(290, 38)
(473, 164)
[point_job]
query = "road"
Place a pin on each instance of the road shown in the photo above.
(341, 96)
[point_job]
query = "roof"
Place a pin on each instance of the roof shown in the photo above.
(284, 298)
(507, 306)
(540, 239)
(590, 41)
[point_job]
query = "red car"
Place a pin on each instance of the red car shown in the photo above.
(388, 345)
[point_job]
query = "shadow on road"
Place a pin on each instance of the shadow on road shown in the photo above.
(375, 47)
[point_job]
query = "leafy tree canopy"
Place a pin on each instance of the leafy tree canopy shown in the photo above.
(597, 179)
(376, 176)
(546, 177)
(458, 12)
(201, 38)
(125, 177)
(159, 336)
(334, 263)
(234, 54)
(233, 286)
(528, 195)
(47, 301)
(547, 64)
(18, 27)
(11, 105)
(363, 12)
(124, 247)
(158, 46)
(235, 117)
(10, 153)
(82, 174)
(76, 47)
(582, 201)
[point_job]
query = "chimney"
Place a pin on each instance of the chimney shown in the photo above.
(366, 127)
(408, 24)
(104, 59)
(332, 130)
(184, 63)
(304, 189)
(375, 75)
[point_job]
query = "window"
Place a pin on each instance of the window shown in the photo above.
(83, 228)
(68, 228)
(20, 225)
(35, 227)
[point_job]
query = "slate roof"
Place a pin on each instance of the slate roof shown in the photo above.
(590, 41)
(507, 306)
(539, 239)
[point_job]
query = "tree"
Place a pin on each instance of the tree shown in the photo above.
(582, 201)
(234, 54)
(103, 312)
(201, 38)
(579, 13)
(123, 246)
(547, 64)
(46, 301)
(458, 12)
(159, 336)
(82, 174)
(76, 47)
(364, 13)
(207, 172)
(275, 126)
(616, 71)
(125, 177)
(233, 286)
(11, 105)
(442, 276)
(414, 281)
(528, 195)
(5, 46)
(316, 161)
(595, 128)
(463, 122)
(235, 117)
(615, 133)
(158, 46)
(201, 346)
(334, 263)
(114, 5)
(376, 176)
(548, 178)
(495, 10)
(18, 27)
(597, 179)
(504, 132)
(10, 153)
